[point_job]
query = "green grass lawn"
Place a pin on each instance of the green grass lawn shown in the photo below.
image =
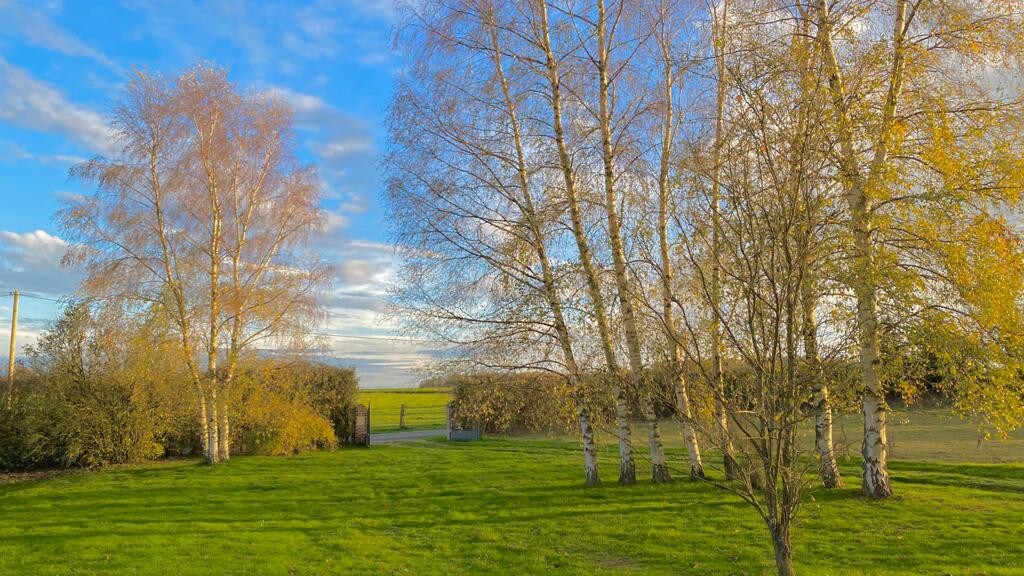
(425, 407)
(499, 506)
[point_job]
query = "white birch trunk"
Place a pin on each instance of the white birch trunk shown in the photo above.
(224, 434)
(717, 378)
(874, 452)
(627, 466)
(589, 446)
(677, 379)
(549, 287)
(213, 442)
(875, 480)
(204, 426)
(659, 466)
(689, 433)
(828, 470)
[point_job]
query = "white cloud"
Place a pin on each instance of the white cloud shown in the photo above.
(38, 246)
(62, 159)
(341, 148)
(335, 134)
(371, 245)
(303, 104)
(36, 28)
(316, 34)
(364, 270)
(357, 203)
(381, 363)
(30, 261)
(30, 103)
(345, 149)
(359, 271)
(336, 221)
(263, 31)
(10, 151)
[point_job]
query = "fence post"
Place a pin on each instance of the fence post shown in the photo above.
(401, 417)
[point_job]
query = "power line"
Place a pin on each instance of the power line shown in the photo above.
(35, 296)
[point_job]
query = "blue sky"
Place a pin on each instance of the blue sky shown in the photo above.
(62, 65)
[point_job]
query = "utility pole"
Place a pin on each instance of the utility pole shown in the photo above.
(10, 354)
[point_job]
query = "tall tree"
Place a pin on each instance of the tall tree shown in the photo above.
(553, 69)
(719, 45)
(667, 22)
(466, 191)
(936, 65)
(549, 287)
(205, 210)
(605, 28)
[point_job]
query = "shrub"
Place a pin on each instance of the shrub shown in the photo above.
(92, 394)
(513, 402)
(285, 407)
(332, 393)
(109, 385)
(270, 423)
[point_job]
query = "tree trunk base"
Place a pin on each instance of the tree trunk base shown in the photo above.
(731, 467)
(660, 474)
(830, 477)
(697, 472)
(627, 473)
(783, 557)
(876, 483)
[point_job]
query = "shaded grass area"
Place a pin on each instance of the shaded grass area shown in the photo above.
(425, 408)
(920, 433)
(499, 506)
(929, 432)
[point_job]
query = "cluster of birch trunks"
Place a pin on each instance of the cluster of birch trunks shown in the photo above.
(594, 185)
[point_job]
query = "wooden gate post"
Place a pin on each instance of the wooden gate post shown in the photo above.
(361, 425)
(401, 417)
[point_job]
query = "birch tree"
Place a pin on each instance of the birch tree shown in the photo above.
(552, 67)
(761, 253)
(206, 212)
(758, 264)
(606, 26)
(936, 69)
(719, 45)
(807, 165)
(668, 23)
(466, 191)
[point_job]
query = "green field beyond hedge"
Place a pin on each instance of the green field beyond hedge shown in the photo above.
(425, 407)
(502, 506)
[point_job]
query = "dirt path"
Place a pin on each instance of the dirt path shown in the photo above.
(386, 437)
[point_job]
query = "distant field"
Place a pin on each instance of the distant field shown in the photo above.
(425, 407)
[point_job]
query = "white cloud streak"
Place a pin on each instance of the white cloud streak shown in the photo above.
(31, 103)
(37, 29)
(30, 261)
